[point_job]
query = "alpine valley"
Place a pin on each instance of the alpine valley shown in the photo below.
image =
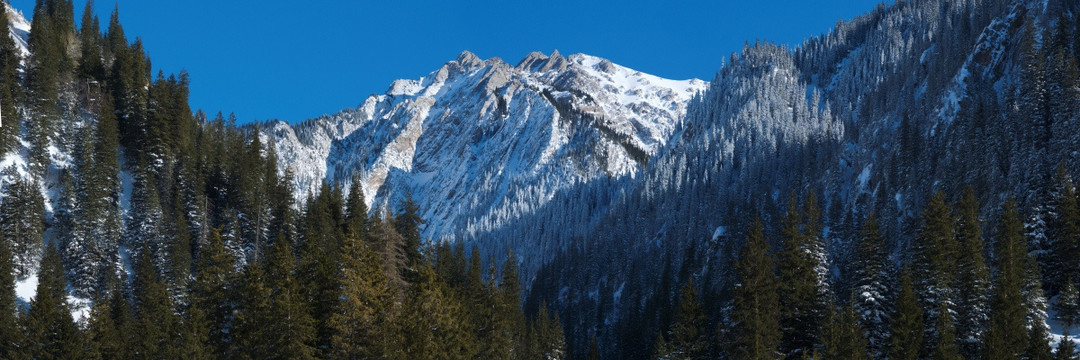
(899, 187)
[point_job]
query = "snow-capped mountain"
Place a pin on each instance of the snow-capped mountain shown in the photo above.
(479, 143)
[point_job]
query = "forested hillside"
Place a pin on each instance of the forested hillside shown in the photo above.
(900, 187)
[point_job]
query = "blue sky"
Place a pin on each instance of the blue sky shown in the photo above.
(294, 60)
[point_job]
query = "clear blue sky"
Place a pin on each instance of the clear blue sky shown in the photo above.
(294, 60)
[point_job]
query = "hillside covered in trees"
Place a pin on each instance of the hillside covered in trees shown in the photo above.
(900, 187)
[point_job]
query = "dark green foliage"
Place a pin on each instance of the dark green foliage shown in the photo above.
(50, 330)
(934, 265)
(290, 328)
(1068, 304)
(872, 288)
(756, 312)
(802, 289)
(842, 336)
(10, 335)
(10, 91)
(687, 338)
(907, 323)
(408, 223)
(1066, 349)
(1006, 336)
(972, 282)
(23, 224)
(213, 278)
(362, 321)
(157, 327)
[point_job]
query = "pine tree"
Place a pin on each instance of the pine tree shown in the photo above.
(23, 224)
(431, 326)
(10, 335)
(934, 265)
(1006, 337)
(688, 330)
(1068, 304)
(594, 349)
(907, 323)
(109, 328)
(10, 90)
(362, 321)
(156, 324)
(1066, 349)
(289, 322)
(209, 292)
(50, 330)
(972, 282)
(408, 223)
(802, 298)
(842, 337)
(872, 288)
(253, 339)
(756, 308)
(91, 62)
(356, 210)
(1063, 232)
(946, 348)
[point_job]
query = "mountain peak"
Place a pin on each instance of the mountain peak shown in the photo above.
(469, 60)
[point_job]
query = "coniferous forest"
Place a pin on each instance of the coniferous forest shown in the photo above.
(143, 229)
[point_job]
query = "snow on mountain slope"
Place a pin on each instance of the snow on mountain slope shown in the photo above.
(481, 142)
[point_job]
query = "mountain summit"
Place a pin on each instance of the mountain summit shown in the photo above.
(481, 142)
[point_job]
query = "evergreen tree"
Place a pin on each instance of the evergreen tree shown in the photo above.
(10, 335)
(156, 324)
(210, 290)
(972, 282)
(408, 223)
(1066, 349)
(946, 348)
(907, 323)
(1068, 304)
(431, 326)
(842, 337)
(23, 224)
(802, 298)
(10, 89)
(91, 61)
(934, 266)
(594, 349)
(872, 287)
(253, 338)
(1063, 231)
(1006, 337)
(289, 325)
(356, 210)
(50, 330)
(755, 315)
(362, 321)
(110, 327)
(688, 331)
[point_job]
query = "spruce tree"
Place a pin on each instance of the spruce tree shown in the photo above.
(1006, 337)
(688, 330)
(210, 291)
(289, 324)
(907, 323)
(946, 348)
(972, 282)
(156, 325)
(755, 315)
(50, 330)
(842, 336)
(431, 325)
(10, 90)
(10, 335)
(1064, 233)
(362, 321)
(934, 265)
(802, 298)
(872, 288)
(356, 210)
(23, 224)
(1068, 304)
(253, 338)
(408, 224)
(1066, 349)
